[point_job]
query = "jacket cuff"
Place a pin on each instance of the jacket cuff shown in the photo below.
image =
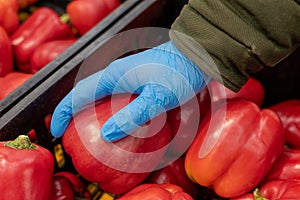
(242, 37)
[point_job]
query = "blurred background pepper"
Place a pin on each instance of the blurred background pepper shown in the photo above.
(6, 58)
(47, 52)
(9, 15)
(42, 26)
(25, 3)
(85, 14)
(11, 81)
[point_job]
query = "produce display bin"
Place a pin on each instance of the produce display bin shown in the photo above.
(22, 110)
(25, 109)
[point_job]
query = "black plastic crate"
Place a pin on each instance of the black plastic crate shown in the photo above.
(25, 108)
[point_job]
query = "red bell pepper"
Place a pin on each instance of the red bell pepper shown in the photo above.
(157, 192)
(12, 81)
(26, 170)
(9, 15)
(85, 14)
(25, 3)
(6, 59)
(119, 166)
(184, 121)
(277, 189)
(62, 188)
(235, 147)
(252, 90)
(41, 26)
(77, 184)
(174, 173)
(111, 4)
(47, 52)
(289, 113)
(286, 167)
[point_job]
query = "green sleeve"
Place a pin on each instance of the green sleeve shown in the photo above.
(240, 36)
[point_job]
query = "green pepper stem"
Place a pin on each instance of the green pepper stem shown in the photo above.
(21, 142)
(257, 195)
(65, 18)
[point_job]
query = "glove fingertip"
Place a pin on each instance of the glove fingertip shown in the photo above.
(107, 137)
(55, 132)
(58, 127)
(111, 133)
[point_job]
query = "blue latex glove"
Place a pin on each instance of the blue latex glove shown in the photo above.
(163, 77)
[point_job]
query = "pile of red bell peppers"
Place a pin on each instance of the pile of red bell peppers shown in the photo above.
(27, 45)
(241, 150)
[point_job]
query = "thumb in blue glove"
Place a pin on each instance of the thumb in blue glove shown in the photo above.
(163, 77)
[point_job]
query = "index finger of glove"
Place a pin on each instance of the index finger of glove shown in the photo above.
(147, 106)
(83, 95)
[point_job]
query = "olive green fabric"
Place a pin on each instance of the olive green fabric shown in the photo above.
(241, 36)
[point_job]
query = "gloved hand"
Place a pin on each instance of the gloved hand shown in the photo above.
(163, 77)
